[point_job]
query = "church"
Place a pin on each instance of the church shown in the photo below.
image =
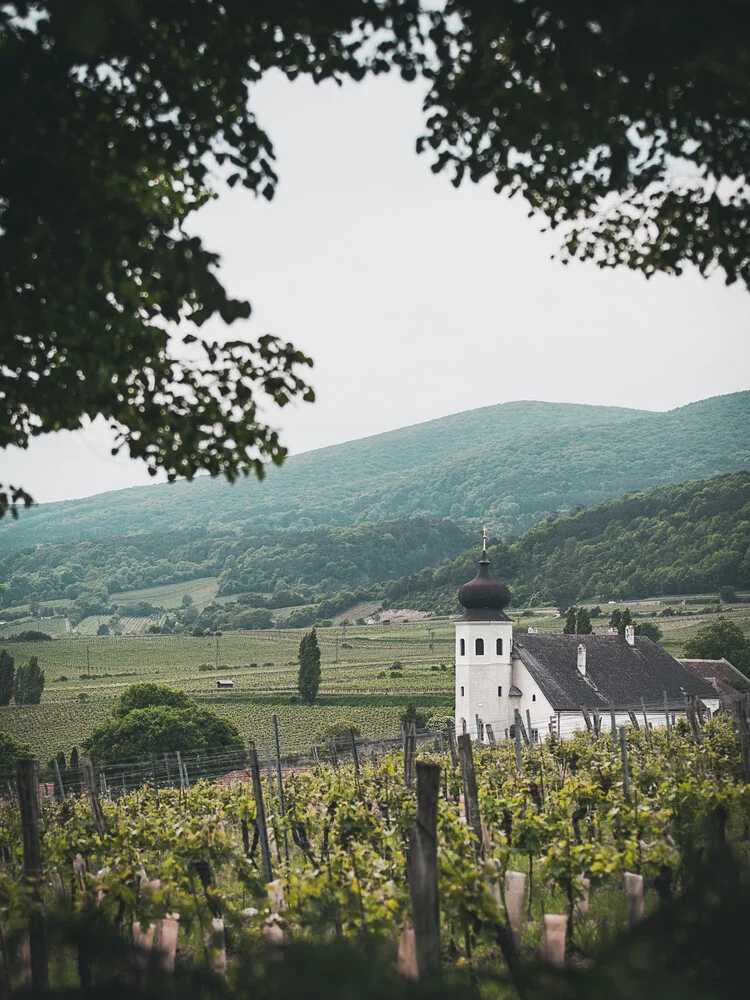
(558, 683)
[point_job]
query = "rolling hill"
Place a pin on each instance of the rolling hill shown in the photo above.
(509, 465)
(687, 538)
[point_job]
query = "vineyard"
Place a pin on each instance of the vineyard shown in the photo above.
(558, 847)
(361, 683)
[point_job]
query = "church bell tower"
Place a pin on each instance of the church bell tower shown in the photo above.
(484, 640)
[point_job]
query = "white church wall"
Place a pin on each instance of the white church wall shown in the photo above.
(532, 700)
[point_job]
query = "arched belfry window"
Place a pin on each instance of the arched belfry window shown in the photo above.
(462, 647)
(479, 647)
(499, 647)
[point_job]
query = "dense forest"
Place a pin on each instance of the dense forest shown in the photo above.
(509, 466)
(319, 561)
(680, 539)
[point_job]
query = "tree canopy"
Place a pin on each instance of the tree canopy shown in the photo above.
(308, 678)
(721, 639)
(624, 123)
(12, 750)
(153, 718)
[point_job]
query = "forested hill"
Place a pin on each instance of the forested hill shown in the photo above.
(315, 561)
(689, 538)
(509, 465)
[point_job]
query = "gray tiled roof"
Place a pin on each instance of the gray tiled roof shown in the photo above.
(721, 674)
(618, 675)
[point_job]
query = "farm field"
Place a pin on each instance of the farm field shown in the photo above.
(85, 673)
(170, 595)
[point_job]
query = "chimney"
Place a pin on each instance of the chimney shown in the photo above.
(630, 635)
(582, 658)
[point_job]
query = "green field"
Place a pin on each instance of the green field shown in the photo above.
(84, 674)
(170, 595)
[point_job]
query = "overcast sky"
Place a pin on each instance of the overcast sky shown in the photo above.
(417, 300)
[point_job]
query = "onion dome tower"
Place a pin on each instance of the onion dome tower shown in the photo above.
(484, 640)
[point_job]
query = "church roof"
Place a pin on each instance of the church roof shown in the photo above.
(618, 675)
(484, 597)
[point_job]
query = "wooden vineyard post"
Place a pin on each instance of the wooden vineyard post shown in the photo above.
(452, 744)
(282, 803)
(586, 718)
(490, 735)
(480, 729)
(597, 722)
(553, 939)
(515, 890)
(410, 753)
(155, 782)
(260, 813)
(180, 771)
(519, 759)
(423, 872)
(613, 720)
(58, 778)
(624, 755)
(645, 722)
(634, 897)
(90, 783)
(471, 798)
(355, 758)
(530, 730)
(741, 715)
(269, 775)
(633, 719)
(27, 780)
(692, 715)
(666, 713)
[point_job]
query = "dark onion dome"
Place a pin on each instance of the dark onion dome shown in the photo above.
(484, 597)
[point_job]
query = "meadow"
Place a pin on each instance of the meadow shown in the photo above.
(85, 673)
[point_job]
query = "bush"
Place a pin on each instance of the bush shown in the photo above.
(12, 750)
(152, 718)
(30, 636)
(397, 665)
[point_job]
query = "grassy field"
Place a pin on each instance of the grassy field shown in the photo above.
(170, 595)
(85, 673)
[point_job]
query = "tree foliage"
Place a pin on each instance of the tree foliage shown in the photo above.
(121, 122)
(681, 539)
(11, 750)
(153, 718)
(7, 677)
(721, 639)
(625, 124)
(29, 683)
(308, 679)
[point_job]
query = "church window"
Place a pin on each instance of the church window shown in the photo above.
(533, 697)
(500, 692)
(462, 690)
(463, 726)
(479, 647)
(499, 647)
(462, 646)
(512, 733)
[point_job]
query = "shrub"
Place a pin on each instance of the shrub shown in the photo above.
(152, 718)
(12, 750)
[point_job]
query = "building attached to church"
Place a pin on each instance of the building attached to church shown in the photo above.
(551, 679)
